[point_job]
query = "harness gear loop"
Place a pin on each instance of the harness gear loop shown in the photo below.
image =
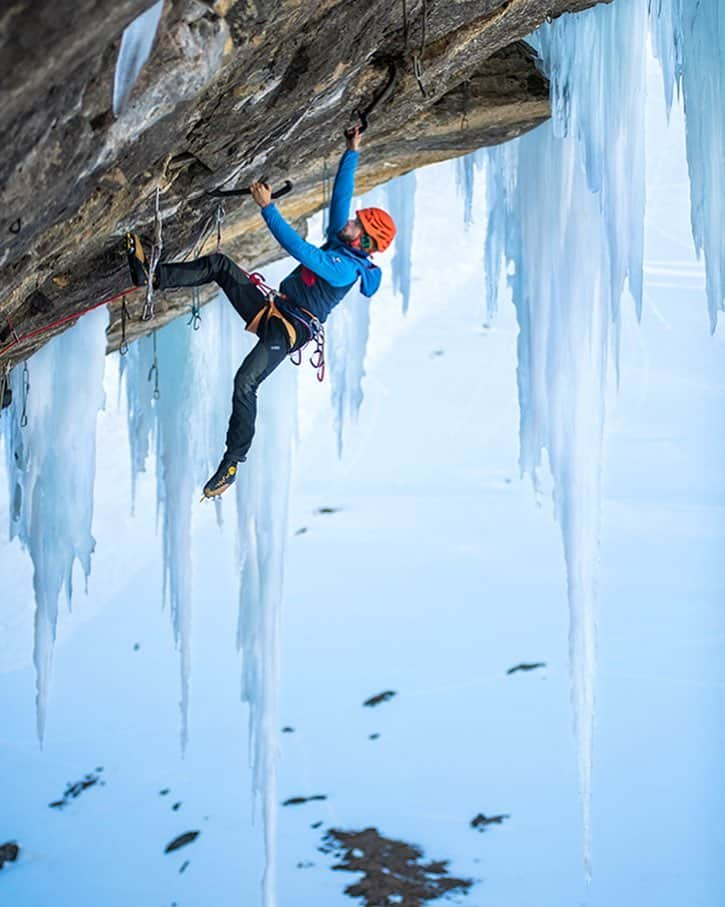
(26, 392)
(317, 359)
(154, 370)
(195, 319)
(123, 348)
(148, 309)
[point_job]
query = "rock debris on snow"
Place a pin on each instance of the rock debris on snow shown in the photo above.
(380, 697)
(182, 841)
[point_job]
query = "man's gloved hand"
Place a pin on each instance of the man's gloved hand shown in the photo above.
(352, 138)
(261, 193)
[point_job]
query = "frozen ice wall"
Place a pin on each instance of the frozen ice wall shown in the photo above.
(136, 43)
(689, 40)
(187, 423)
(50, 444)
(566, 207)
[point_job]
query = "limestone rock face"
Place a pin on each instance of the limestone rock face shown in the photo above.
(233, 90)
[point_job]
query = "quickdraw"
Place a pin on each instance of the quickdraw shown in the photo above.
(154, 370)
(195, 319)
(417, 55)
(148, 310)
(26, 393)
(123, 348)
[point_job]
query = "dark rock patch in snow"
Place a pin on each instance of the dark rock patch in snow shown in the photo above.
(526, 666)
(393, 872)
(75, 789)
(481, 822)
(297, 801)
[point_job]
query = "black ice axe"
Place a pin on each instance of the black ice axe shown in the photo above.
(223, 193)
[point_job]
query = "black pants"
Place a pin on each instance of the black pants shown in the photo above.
(271, 349)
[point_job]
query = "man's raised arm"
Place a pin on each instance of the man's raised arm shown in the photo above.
(344, 186)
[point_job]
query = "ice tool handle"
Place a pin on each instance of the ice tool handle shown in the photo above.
(284, 189)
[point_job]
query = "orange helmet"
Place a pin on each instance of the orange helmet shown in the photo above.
(378, 225)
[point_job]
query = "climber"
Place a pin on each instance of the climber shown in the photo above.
(291, 317)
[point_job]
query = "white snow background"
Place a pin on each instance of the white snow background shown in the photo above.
(439, 571)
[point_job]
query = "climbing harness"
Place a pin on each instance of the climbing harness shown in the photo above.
(154, 370)
(284, 189)
(294, 319)
(26, 392)
(158, 245)
(123, 348)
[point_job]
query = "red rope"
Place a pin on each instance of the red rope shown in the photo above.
(66, 318)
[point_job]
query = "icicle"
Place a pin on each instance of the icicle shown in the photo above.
(566, 214)
(466, 180)
(263, 499)
(134, 370)
(346, 333)
(401, 204)
(51, 471)
(689, 41)
(136, 44)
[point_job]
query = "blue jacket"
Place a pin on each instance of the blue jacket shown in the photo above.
(325, 275)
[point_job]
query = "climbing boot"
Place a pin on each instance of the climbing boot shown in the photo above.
(225, 476)
(137, 263)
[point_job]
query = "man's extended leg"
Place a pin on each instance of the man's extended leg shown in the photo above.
(241, 292)
(269, 352)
